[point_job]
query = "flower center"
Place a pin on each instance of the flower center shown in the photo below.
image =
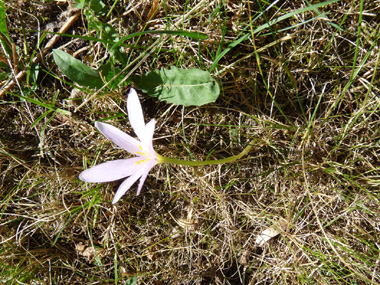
(146, 156)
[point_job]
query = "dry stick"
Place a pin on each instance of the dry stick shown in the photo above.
(37, 58)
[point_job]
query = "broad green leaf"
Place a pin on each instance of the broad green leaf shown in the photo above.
(185, 87)
(132, 281)
(96, 6)
(5, 39)
(3, 23)
(76, 70)
(80, 4)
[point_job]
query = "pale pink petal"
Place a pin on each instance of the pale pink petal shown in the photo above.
(135, 114)
(110, 171)
(124, 187)
(119, 137)
(143, 176)
(149, 131)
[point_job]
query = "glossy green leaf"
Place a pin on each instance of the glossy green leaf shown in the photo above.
(76, 70)
(187, 87)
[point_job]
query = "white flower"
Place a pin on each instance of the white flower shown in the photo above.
(133, 168)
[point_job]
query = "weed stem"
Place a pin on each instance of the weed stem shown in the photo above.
(163, 159)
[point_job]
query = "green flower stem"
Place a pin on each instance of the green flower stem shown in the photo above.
(163, 159)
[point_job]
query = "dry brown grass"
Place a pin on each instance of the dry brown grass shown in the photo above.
(313, 174)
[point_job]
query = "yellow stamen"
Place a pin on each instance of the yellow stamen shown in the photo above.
(147, 156)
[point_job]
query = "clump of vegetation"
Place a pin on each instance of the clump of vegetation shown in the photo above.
(298, 79)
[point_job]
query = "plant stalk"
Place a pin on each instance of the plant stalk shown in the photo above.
(163, 159)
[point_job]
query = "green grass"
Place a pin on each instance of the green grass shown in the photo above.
(298, 78)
